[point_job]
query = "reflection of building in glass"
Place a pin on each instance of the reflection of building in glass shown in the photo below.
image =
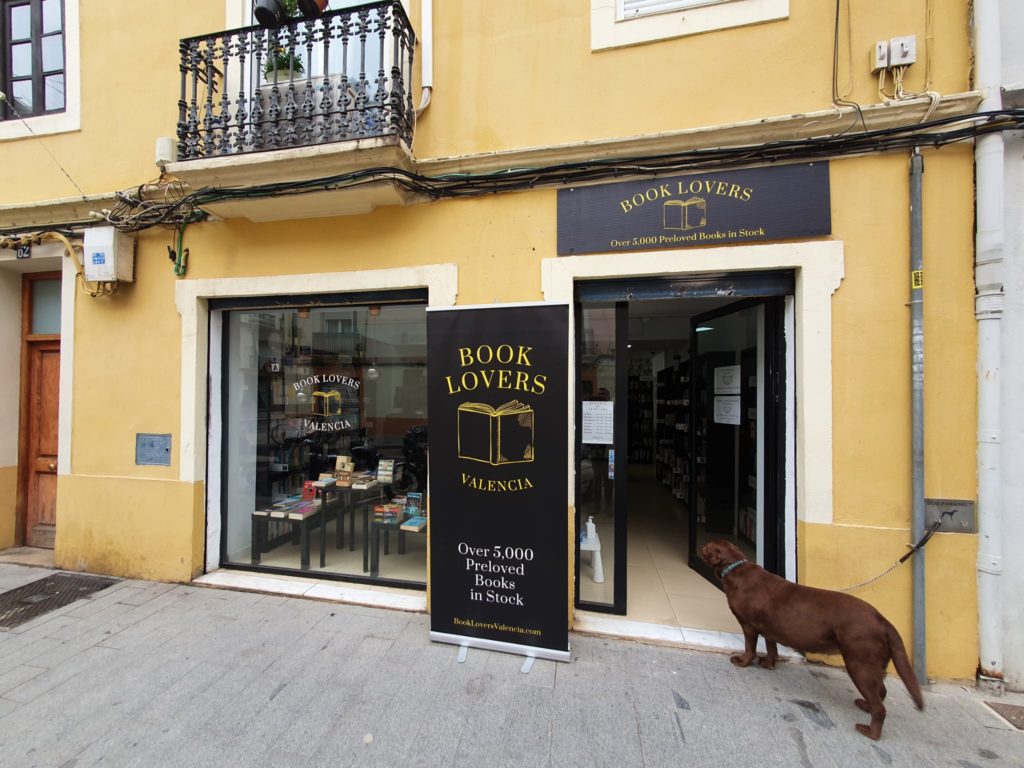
(685, 214)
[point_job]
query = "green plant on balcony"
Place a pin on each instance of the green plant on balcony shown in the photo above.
(279, 58)
(285, 63)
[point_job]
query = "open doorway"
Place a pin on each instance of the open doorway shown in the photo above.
(680, 432)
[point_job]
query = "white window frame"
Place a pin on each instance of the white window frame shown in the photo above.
(676, 18)
(648, 7)
(71, 118)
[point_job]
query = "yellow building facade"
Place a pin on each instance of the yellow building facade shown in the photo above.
(535, 91)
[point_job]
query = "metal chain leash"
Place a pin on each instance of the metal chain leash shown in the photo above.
(924, 540)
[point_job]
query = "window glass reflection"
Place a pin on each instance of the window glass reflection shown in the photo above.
(335, 394)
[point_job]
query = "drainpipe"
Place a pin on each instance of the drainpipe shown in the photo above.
(426, 54)
(917, 385)
(988, 278)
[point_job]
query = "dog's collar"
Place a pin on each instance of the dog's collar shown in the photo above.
(731, 567)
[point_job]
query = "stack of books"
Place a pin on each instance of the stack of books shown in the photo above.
(415, 523)
(294, 508)
(343, 469)
(388, 513)
(326, 480)
(363, 480)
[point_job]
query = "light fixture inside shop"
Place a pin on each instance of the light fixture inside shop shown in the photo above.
(702, 328)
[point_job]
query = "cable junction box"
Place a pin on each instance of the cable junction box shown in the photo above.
(109, 255)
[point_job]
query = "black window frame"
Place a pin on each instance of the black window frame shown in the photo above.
(38, 75)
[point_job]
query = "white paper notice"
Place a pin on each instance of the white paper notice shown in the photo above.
(727, 409)
(727, 380)
(598, 422)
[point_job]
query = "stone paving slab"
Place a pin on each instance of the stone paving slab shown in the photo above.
(151, 675)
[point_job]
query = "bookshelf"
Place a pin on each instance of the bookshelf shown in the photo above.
(641, 416)
(672, 429)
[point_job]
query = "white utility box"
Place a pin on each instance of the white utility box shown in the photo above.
(109, 255)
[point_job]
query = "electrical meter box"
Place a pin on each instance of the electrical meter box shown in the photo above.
(109, 255)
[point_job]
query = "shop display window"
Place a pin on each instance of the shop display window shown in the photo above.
(325, 440)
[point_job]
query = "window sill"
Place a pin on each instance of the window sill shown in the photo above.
(41, 125)
(606, 32)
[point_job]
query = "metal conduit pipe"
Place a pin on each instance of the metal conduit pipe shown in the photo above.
(988, 277)
(917, 399)
(426, 54)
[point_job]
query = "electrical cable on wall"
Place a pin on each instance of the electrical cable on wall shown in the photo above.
(165, 205)
(837, 99)
(17, 114)
(92, 289)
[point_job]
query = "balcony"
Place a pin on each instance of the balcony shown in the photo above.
(302, 101)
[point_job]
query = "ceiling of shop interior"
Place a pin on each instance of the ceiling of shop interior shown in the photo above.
(653, 325)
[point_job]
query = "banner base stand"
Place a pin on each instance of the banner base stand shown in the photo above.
(497, 645)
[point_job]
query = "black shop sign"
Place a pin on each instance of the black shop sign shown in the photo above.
(497, 397)
(752, 205)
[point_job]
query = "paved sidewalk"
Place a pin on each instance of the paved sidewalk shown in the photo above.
(148, 674)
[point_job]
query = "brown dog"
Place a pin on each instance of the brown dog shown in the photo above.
(812, 620)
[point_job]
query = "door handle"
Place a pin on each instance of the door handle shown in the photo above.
(52, 467)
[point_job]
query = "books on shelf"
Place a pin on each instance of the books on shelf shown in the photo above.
(293, 508)
(364, 484)
(416, 523)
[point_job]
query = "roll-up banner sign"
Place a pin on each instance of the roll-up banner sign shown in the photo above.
(498, 404)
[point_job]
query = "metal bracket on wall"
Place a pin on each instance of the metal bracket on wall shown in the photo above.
(952, 515)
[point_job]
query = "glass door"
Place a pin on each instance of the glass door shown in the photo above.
(601, 413)
(736, 436)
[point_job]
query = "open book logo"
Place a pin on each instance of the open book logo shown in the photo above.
(327, 403)
(685, 214)
(502, 435)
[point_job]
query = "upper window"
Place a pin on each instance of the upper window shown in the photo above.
(33, 63)
(617, 23)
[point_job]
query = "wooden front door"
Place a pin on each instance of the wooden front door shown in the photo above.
(40, 399)
(41, 496)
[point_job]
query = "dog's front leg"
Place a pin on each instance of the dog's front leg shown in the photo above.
(768, 662)
(749, 649)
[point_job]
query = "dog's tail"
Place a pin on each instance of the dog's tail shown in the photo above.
(902, 664)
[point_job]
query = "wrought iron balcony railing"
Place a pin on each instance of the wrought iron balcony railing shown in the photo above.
(346, 75)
